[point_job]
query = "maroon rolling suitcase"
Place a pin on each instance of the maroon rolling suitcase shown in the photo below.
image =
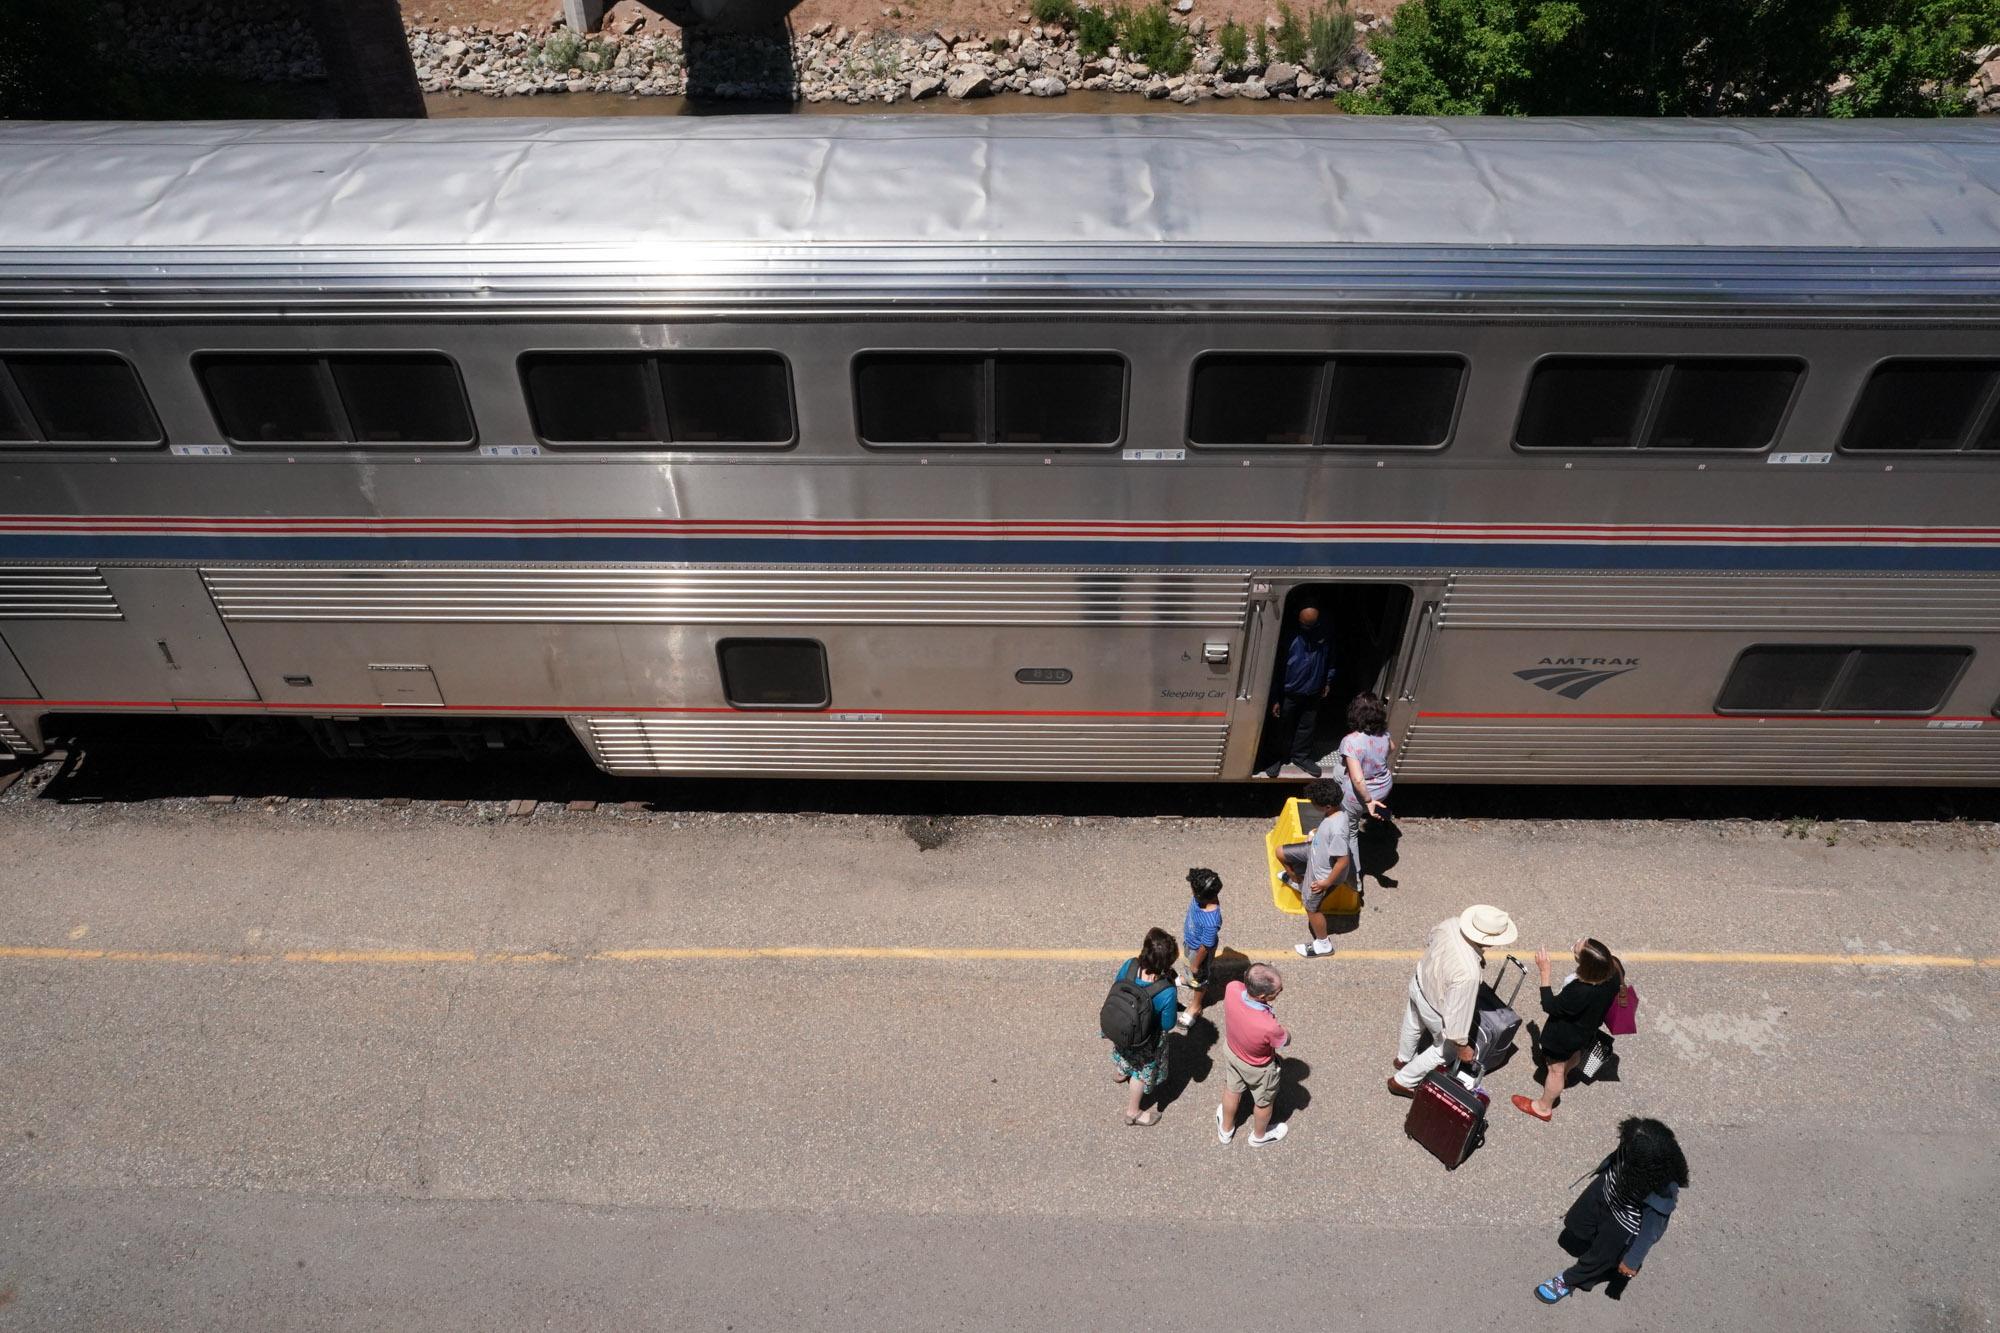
(1447, 1118)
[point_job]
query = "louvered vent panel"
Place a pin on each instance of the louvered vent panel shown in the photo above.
(1836, 753)
(53, 592)
(1000, 747)
(11, 737)
(1761, 603)
(729, 596)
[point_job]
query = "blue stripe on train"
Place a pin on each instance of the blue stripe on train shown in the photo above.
(894, 551)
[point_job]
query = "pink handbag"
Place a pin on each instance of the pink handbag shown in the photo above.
(1622, 1019)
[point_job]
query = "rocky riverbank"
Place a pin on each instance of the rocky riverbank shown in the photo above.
(828, 63)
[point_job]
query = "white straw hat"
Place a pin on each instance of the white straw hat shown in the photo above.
(1487, 925)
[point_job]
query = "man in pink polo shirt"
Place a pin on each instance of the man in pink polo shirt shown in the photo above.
(1252, 1038)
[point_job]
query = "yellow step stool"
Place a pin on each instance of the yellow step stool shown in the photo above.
(1295, 823)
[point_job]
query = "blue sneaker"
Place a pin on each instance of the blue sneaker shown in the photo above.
(1552, 1291)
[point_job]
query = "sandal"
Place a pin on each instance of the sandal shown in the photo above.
(1146, 1118)
(1527, 1104)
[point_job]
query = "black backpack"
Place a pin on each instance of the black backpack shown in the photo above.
(1128, 1019)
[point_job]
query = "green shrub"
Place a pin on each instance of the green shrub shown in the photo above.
(1235, 44)
(1263, 47)
(1053, 11)
(1151, 37)
(562, 50)
(1330, 32)
(1290, 39)
(1096, 30)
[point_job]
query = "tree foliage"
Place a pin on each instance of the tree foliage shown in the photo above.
(1681, 57)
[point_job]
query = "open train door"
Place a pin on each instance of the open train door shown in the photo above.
(1375, 631)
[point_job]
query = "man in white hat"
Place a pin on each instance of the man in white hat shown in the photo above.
(1444, 991)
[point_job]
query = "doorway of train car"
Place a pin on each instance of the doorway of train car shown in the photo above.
(1362, 626)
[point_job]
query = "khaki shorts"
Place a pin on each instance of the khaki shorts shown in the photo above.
(1189, 979)
(1260, 1081)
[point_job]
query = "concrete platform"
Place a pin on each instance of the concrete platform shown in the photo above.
(320, 1065)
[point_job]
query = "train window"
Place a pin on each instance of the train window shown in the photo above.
(82, 398)
(1702, 403)
(1723, 404)
(402, 399)
(1928, 405)
(1898, 680)
(920, 399)
(14, 426)
(1783, 678)
(271, 400)
(591, 399)
(1047, 399)
(650, 401)
(1578, 404)
(727, 398)
(1058, 399)
(1253, 400)
(392, 398)
(773, 673)
(1392, 402)
(1810, 678)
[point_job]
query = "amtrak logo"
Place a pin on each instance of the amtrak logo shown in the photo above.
(1574, 677)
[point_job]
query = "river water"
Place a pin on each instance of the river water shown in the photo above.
(448, 106)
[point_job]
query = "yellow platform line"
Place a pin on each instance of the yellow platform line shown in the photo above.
(891, 952)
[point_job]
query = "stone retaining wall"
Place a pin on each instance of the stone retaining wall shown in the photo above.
(833, 64)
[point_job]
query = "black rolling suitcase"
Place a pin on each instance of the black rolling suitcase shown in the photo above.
(1447, 1118)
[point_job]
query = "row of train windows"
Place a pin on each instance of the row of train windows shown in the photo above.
(1766, 679)
(645, 400)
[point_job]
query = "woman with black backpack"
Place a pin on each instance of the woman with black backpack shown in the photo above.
(1137, 1016)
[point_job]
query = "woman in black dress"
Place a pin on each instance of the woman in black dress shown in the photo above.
(1575, 1013)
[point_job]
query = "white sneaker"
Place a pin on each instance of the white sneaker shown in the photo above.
(1223, 1133)
(1314, 950)
(1278, 1131)
(1181, 1021)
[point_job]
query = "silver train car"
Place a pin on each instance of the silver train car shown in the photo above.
(1613, 452)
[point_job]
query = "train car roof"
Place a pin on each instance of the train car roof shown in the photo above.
(655, 192)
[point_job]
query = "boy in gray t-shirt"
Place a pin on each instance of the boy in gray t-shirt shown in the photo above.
(1321, 864)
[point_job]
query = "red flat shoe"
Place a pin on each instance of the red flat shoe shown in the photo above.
(1527, 1104)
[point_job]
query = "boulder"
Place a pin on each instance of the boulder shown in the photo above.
(1989, 75)
(1048, 86)
(453, 49)
(1280, 77)
(1253, 90)
(969, 82)
(924, 86)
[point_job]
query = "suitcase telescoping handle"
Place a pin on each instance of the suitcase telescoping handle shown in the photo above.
(1520, 978)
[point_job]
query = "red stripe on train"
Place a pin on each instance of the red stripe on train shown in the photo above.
(824, 714)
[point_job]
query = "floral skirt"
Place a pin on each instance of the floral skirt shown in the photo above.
(1150, 1073)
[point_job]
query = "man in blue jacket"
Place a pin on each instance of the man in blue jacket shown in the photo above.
(1305, 675)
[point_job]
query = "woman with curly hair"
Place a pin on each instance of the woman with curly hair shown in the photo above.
(1624, 1209)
